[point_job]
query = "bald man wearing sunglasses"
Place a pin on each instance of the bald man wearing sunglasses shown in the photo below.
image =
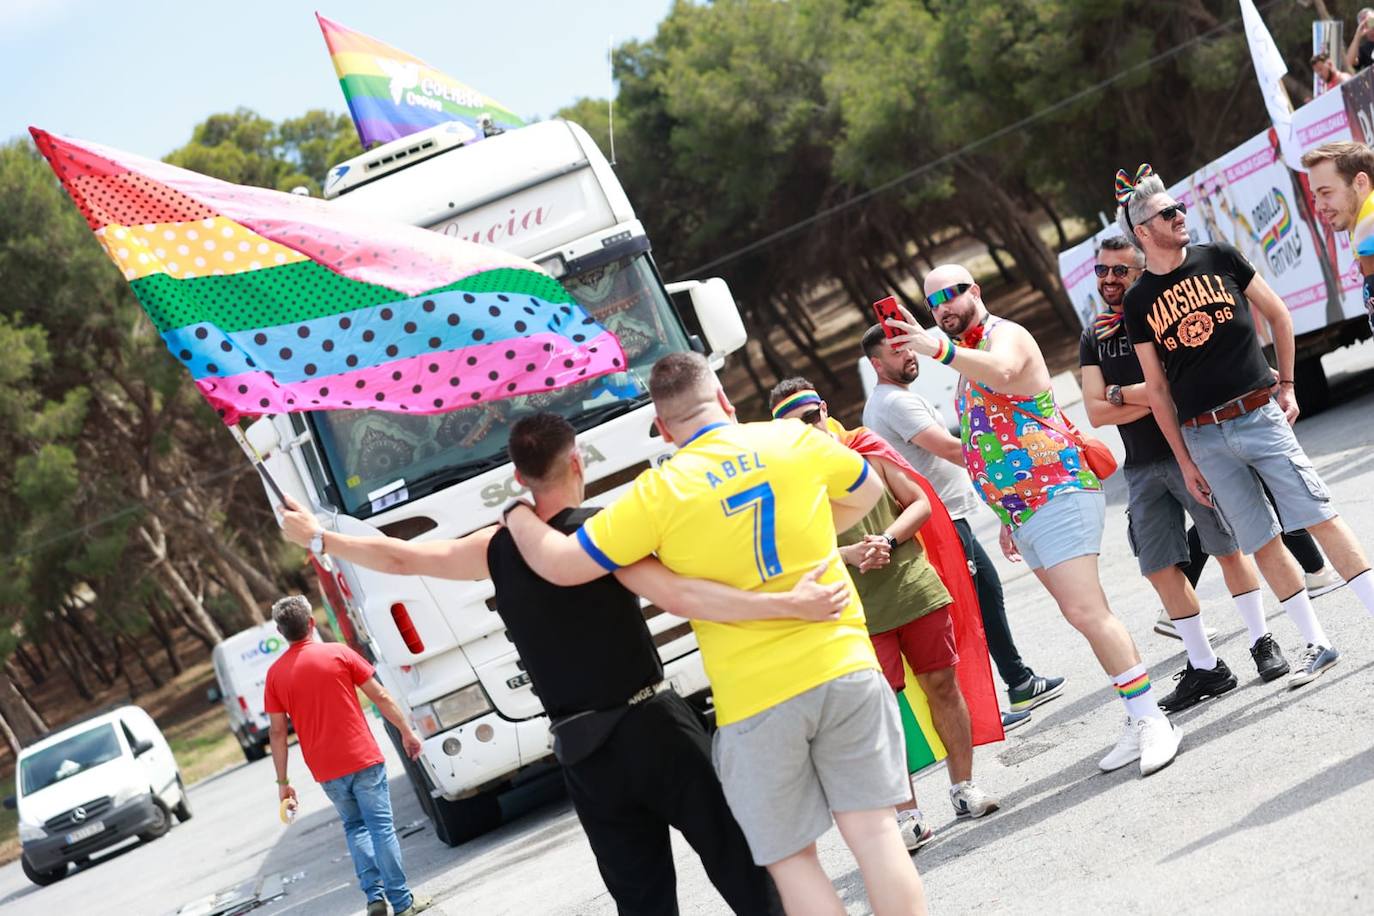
(1031, 472)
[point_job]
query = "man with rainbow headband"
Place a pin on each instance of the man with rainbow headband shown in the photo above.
(919, 605)
(1032, 475)
(1342, 178)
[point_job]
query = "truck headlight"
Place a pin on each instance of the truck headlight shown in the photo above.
(452, 710)
(127, 793)
(28, 833)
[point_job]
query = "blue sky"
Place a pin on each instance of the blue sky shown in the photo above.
(139, 75)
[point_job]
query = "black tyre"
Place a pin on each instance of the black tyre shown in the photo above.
(456, 822)
(42, 878)
(160, 826)
(253, 752)
(183, 808)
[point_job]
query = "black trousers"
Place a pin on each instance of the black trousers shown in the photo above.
(988, 584)
(655, 771)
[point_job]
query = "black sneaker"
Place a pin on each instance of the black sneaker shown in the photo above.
(1195, 685)
(1034, 692)
(1269, 660)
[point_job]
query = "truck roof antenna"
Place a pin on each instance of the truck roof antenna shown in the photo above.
(610, 92)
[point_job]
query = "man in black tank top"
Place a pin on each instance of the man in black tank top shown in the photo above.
(636, 758)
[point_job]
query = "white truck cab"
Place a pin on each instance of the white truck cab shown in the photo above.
(94, 784)
(544, 192)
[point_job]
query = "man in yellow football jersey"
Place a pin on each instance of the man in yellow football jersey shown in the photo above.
(807, 726)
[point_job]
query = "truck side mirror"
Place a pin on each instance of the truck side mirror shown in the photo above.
(716, 313)
(11, 802)
(213, 695)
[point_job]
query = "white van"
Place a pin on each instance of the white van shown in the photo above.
(241, 664)
(94, 784)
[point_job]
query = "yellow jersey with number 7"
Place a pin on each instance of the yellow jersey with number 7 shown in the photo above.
(747, 505)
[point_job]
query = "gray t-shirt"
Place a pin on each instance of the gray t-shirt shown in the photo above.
(897, 414)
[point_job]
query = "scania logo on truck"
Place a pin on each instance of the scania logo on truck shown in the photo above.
(497, 494)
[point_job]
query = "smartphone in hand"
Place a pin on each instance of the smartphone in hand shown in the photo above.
(886, 308)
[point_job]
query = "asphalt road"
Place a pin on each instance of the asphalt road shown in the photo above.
(1266, 809)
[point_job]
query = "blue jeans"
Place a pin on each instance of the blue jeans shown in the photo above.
(364, 803)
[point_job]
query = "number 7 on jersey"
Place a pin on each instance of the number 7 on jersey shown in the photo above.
(759, 500)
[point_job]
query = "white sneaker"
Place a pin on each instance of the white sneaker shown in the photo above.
(970, 801)
(1165, 627)
(1322, 581)
(1158, 743)
(914, 833)
(1127, 749)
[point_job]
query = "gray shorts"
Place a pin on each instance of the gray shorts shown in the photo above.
(1157, 498)
(836, 747)
(1068, 526)
(1236, 455)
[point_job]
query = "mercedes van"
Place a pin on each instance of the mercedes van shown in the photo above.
(94, 784)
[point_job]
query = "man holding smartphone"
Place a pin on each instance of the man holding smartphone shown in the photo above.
(916, 429)
(1034, 477)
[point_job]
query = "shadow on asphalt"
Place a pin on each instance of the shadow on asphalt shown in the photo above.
(302, 849)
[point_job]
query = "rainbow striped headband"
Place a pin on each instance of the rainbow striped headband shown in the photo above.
(795, 400)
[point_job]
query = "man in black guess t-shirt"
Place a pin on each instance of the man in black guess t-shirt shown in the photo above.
(635, 756)
(1114, 393)
(1221, 409)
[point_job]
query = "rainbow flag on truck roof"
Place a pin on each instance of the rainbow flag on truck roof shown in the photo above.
(392, 94)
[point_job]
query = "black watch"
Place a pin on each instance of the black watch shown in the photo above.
(891, 541)
(510, 507)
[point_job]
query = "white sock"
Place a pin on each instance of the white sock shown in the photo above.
(1363, 587)
(1133, 686)
(1200, 654)
(1299, 610)
(1250, 606)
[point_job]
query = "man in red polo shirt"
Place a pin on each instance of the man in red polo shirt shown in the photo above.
(316, 684)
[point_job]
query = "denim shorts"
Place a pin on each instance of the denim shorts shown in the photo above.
(837, 747)
(1236, 455)
(1068, 526)
(1157, 498)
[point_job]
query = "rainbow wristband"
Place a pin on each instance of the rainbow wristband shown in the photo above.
(946, 354)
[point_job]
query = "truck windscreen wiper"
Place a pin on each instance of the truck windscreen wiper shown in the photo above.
(455, 473)
(599, 415)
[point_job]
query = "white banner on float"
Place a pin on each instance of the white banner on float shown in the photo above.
(1248, 198)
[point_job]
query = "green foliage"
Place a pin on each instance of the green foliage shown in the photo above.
(246, 148)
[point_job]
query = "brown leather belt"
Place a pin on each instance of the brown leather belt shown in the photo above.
(1232, 409)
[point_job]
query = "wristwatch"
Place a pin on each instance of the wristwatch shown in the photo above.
(1114, 395)
(891, 541)
(317, 542)
(510, 507)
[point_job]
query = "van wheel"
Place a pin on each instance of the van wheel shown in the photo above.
(42, 878)
(254, 752)
(159, 826)
(183, 808)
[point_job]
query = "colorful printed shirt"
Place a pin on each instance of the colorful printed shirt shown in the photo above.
(748, 505)
(1017, 464)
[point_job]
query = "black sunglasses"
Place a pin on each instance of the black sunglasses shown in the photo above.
(811, 417)
(1117, 270)
(1168, 213)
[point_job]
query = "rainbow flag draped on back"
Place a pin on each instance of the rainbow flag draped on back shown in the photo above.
(392, 94)
(945, 552)
(277, 303)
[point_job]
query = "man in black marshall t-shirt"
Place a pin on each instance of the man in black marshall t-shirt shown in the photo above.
(1114, 393)
(636, 757)
(1225, 416)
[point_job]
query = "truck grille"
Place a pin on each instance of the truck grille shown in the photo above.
(66, 820)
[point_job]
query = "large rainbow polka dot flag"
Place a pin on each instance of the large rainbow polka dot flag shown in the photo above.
(277, 302)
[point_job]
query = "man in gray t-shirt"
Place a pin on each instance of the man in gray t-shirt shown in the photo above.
(917, 430)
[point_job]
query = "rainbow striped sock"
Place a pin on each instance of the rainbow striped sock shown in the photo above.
(1133, 686)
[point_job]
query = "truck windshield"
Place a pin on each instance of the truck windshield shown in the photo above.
(369, 452)
(77, 754)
